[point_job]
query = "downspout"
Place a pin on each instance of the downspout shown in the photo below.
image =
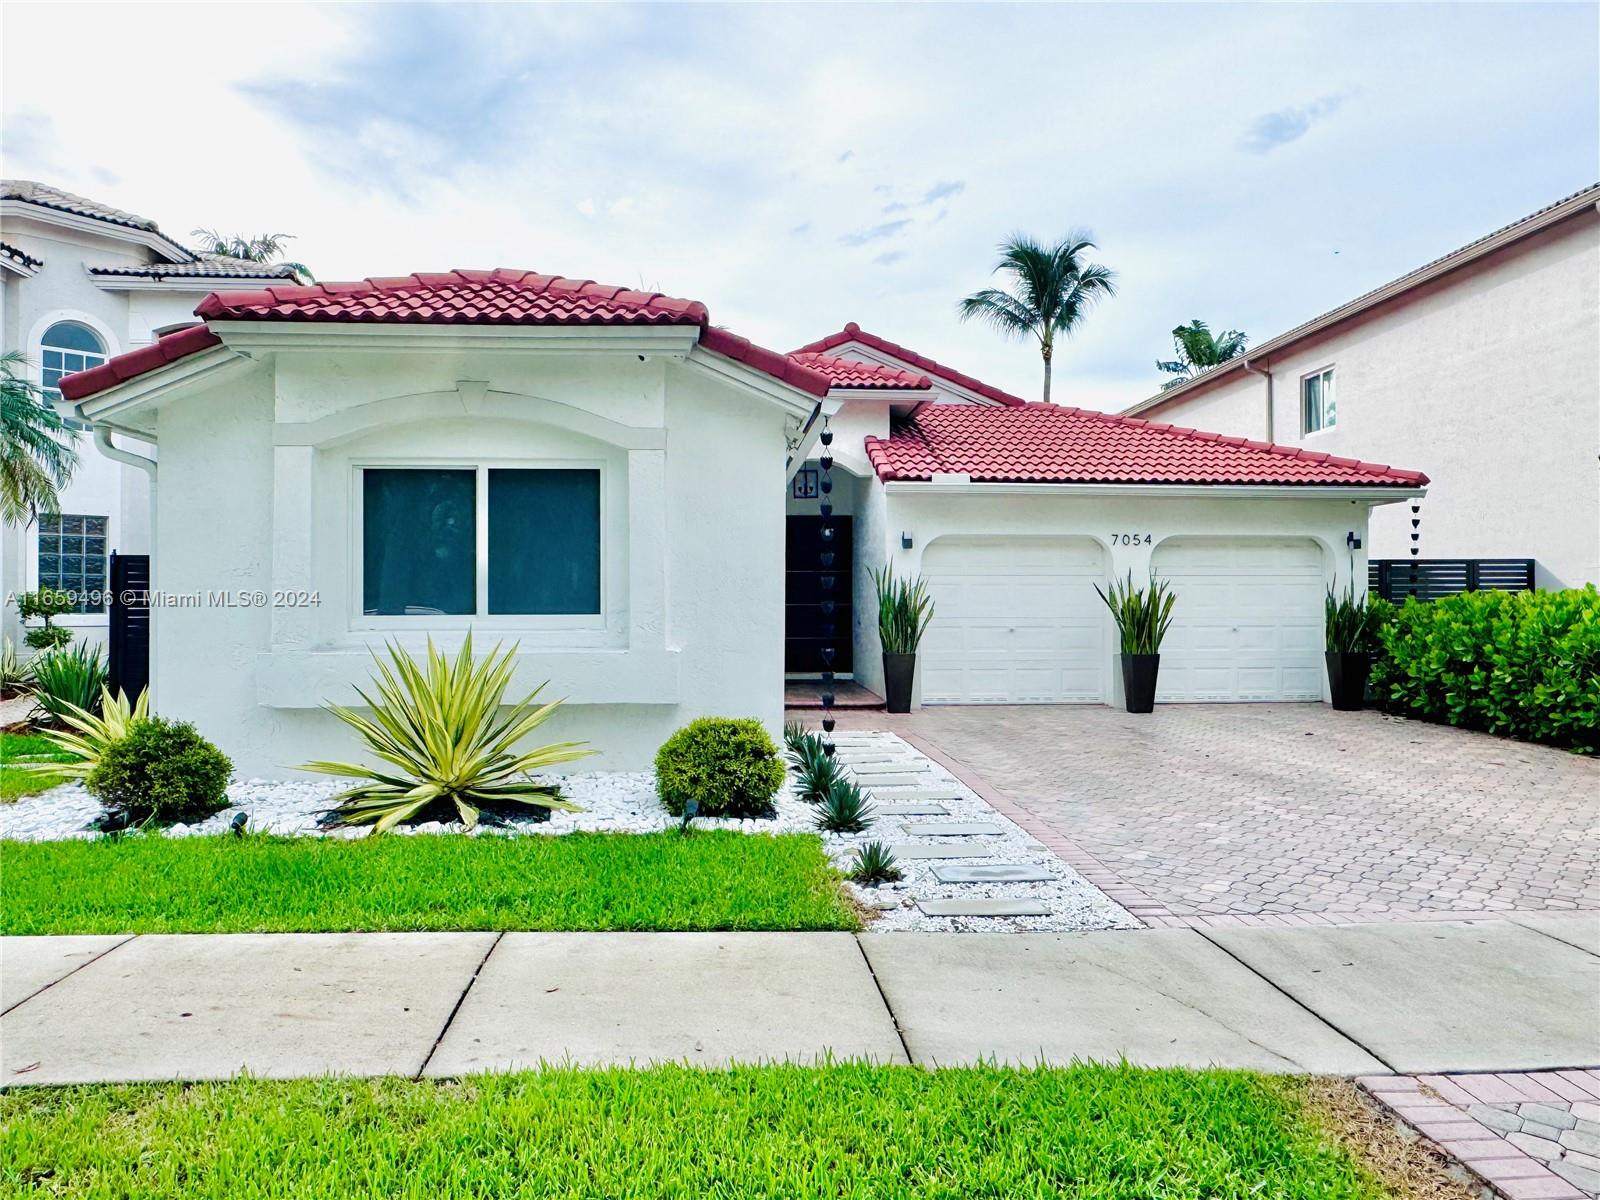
(1267, 375)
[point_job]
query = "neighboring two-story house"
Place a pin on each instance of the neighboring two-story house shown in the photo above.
(84, 282)
(1483, 366)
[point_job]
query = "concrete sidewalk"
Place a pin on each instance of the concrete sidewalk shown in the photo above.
(1490, 995)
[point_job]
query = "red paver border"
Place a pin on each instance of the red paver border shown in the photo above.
(1435, 1106)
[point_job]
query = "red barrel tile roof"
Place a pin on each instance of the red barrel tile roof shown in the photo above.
(502, 297)
(847, 374)
(1046, 443)
(854, 333)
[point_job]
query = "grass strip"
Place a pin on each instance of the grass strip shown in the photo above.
(779, 1132)
(709, 880)
(16, 781)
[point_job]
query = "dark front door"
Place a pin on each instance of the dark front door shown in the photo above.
(805, 618)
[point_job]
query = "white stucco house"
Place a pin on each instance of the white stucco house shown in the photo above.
(84, 282)
(623, 488)
(1484, 364)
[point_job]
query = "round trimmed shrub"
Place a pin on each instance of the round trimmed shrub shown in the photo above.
(161, 772)
(729, 765)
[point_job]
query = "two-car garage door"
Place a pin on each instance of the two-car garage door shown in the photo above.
(1017, 621)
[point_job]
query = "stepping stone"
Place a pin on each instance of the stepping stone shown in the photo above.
(887, 767)
(857, 760)
(878, 781)
(993, 873)
(984, 908)
(921, 795)
(912, 808)
(909, 851)
(951, 828)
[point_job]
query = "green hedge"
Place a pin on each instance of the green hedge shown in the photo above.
(1522, 664)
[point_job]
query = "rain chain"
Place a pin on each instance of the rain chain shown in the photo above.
(1416, 536)
(826, 584)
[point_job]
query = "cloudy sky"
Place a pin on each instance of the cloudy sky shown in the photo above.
(797, 167)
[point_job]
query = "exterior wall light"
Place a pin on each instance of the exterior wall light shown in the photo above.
(905, 541)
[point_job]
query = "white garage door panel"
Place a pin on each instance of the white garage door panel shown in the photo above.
(1247, 624)
(1016, 621)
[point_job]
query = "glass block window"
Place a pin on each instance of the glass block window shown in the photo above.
(67, 347)
(72, 558)
(479, 541)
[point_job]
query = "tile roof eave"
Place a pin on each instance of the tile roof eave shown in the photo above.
(853, 332)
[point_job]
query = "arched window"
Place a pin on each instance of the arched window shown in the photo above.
(67, 347)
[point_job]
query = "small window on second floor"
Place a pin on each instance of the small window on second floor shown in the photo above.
(1316, 401)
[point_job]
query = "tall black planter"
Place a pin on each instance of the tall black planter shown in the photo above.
(1139, 681)
(898, 672)
(1347, 679)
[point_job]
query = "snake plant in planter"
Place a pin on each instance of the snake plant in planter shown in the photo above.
(904, 610)
(449, 740)
(1143, 616)
(1351, 625)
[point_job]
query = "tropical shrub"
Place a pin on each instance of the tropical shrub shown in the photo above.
(1351, 623)
(450, 751)
(1143, 615)
(844, 809)
(1522, 664)
(815, 770)
(87, 737)
(728, 764)
(15, 673)
(904, 611)
(45, 604)
(160, 772)
(874, 864)
(68, 678)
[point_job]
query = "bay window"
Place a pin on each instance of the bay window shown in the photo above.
(480, 542)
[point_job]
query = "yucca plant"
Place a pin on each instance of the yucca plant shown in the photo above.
(904, 611)
(844, 809)
(67, 678)
(439, 726)
(794, 735)
(1143, 615)
(816, 771)
(15, 673)
(87, 737)
(875, 864)
(1350, 622)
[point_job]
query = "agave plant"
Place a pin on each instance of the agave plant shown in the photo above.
(87, 737)
(844, 809)
(67, 679)
(451, 753)
(1143, 615)
(875, 863)
(816, 771)
(794, 735)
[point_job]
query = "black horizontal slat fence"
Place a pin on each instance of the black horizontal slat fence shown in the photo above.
(1430, 578)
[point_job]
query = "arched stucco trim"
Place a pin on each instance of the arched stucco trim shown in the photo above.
(34, 344)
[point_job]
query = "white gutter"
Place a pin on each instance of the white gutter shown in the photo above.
(1298, 491)
(1267, 375)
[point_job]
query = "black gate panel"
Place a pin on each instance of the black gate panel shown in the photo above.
(129, 633)
(809, 608)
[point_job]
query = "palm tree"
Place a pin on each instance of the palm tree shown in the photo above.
(36, 453)
(264, 248)
(1199, 350)
(1050, 290)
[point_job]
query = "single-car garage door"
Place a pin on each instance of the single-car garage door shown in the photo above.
(1016, 621)
(1247, 624)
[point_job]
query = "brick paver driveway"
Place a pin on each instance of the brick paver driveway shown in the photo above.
(1239, 810)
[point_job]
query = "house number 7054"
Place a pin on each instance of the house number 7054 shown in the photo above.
(1132, 539)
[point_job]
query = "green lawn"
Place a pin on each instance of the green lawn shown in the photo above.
(592, 881)
(16, 782)
(784, 1133)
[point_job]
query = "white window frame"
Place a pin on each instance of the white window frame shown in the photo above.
(35, 363)
(36, 574)
(483, 618)
(1325, 390)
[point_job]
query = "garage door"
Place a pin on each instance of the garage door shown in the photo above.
(1248, 620)
(1016, 621)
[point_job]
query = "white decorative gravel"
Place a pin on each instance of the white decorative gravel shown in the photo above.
(625, 802)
